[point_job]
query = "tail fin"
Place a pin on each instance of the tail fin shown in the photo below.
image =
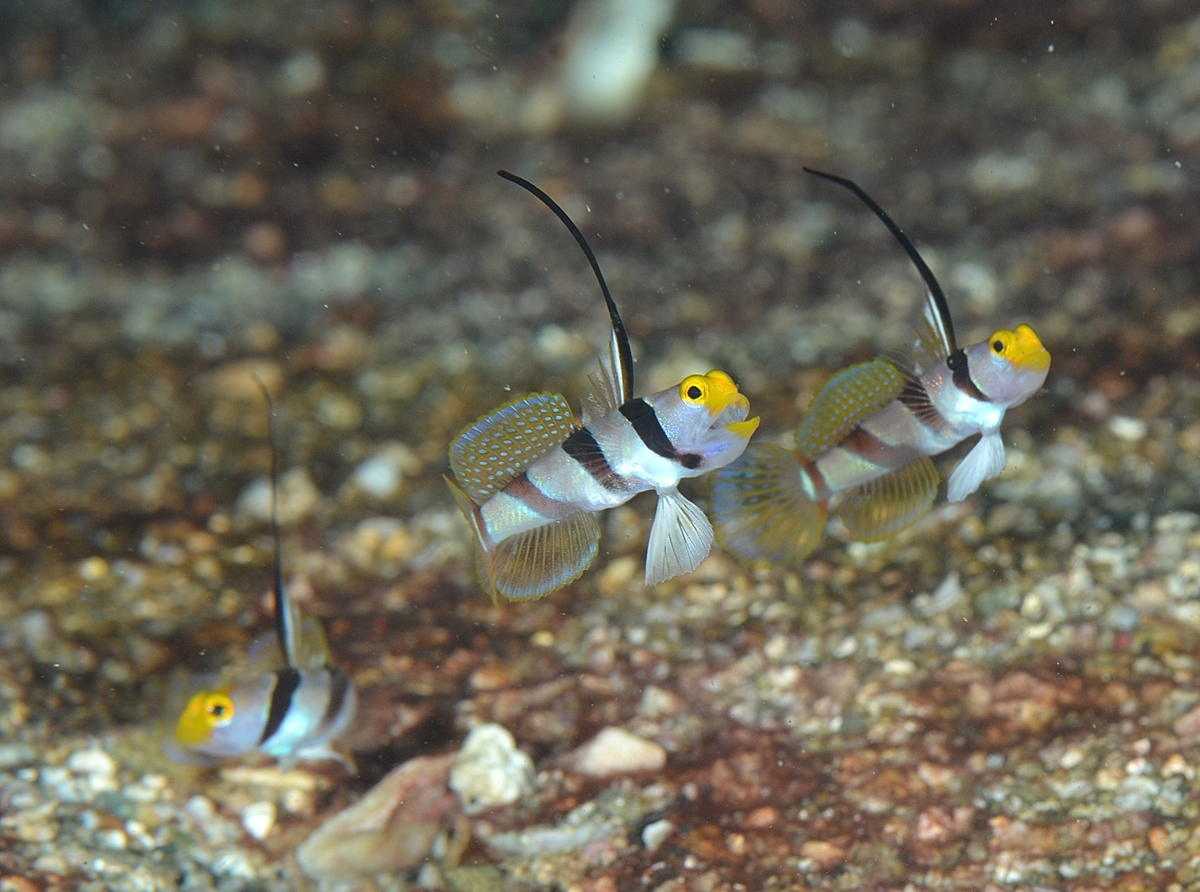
(484, 568)
(761, 511)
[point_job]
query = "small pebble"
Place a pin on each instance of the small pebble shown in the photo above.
(655, 832)
(381, 475)
(489, 770)
(617, 751)
(825, 855)
(93, 569)
(1125, 428)
(97, 767)
(259, 819)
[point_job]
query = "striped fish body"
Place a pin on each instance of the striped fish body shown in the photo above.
(530, 481)
(287, 713)
(868, 438)
(287, 702)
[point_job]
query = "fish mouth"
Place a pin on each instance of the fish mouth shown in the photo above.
(731, 416)
(1030, 352)
(728, 406)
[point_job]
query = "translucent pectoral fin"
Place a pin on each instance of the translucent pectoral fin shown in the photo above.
(608, 385)
(761, 509)
(304, 644)
(263, 655)
(982, 463)
(498, 447)
(933, 341)
(543, 560)
(843, 401)
(680, 538)
(320, 752)
(888, 504)
(313, 650)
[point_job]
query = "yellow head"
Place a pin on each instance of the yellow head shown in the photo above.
(204, 714)
(1021, 347)
(717, 393)
(1009, 366)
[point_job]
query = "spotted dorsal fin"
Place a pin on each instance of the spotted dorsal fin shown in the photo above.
(888, 504)
(497, 448)
(843, 401)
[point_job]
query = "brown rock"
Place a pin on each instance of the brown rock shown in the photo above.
(391, 828)
(825, 855)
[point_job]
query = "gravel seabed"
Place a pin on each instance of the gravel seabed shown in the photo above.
(193, 193)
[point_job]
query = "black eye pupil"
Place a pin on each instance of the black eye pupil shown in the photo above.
(694, 392)
(998, 346)
(216, 710)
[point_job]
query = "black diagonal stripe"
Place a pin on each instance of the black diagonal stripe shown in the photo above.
(957, 363)
(286, 682)
(646, 423)
(339, 687)
(641, 415)
(582, 447)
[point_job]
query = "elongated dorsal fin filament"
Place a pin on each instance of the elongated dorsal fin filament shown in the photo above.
(622, 354)
(936, 294)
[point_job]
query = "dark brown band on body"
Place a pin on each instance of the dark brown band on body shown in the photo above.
(287, 680)
(961, 372)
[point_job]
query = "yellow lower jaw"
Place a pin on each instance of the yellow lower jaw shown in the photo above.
(743, 428)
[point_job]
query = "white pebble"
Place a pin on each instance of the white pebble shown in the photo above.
(617, 751)
(200, 808)
(298, 497)
(946, 595)
(380, 476)
(301, 74)
(654, 833)
(259, 819)
(899, 666)
(489, 770)
(113, 838)
(1129, 429)
(97, 767)
(93, 761)
(612, 48)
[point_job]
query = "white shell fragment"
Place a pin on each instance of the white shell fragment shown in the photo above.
(612, 49)
(617, 751)
(489, 770)
(655, 832)
(381, 475)
(259, 819)
(97, 767)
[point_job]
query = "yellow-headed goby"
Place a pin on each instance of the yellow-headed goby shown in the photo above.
(289, 704)
(530, 480)
(869, 433)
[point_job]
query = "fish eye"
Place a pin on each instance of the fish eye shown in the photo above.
(998, 345)
(219, 709)
(694, 390)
